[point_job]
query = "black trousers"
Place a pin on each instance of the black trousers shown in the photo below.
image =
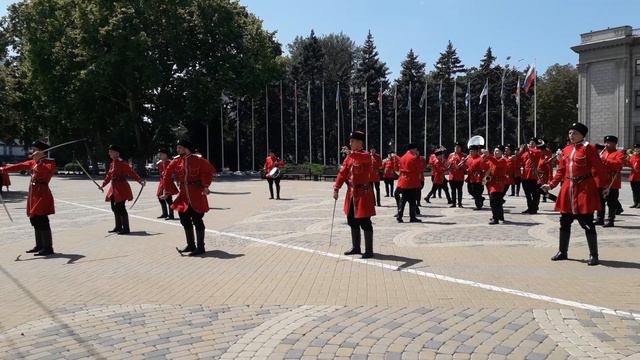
(475, 190)
(610, 202)
(388, 186)
(585, 221)
(515, 187)
(376, 185)
(409, 196)
(118, 208)
(361, 223)
(165, 204)
(191, 218)
(531, 191)
(635, 188)
(496, 200)
(271, 181)
(397, 194)
(40, 222)
(456, 191)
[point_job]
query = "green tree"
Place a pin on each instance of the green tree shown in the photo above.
(557, 100)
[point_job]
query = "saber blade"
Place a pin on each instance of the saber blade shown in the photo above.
(5, 208)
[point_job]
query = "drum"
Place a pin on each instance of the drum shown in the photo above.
(274, 173)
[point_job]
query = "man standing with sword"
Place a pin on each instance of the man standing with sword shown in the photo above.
(193, 175)
(120, 191)
(359, 202)
(613, 160)
(40, 200)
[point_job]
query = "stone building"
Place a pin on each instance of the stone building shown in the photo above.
(609, 84)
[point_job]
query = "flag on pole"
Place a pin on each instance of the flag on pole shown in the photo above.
(485, 90)
(380, 95)
(467, 96)
(423, 98)
(409, 97)
(350, 97)
(440, 94)
(529, 79)
(395, 96)
(518, 92)
(338, 97)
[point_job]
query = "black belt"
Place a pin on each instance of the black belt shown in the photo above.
(191, 183)
(39, 183)
(119, 179)
(578, 178)
(363, 186)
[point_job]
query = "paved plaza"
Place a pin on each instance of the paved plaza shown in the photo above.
(271, 286)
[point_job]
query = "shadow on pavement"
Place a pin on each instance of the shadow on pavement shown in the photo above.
(613, 264)
(219, 254)
(230, 193)
(141, 233)
(72, 257)
(408, 262)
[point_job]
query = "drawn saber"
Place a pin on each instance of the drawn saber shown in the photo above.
(64, 144)
(5, 208)
(138, 196)
(333, 217)
(89, 176)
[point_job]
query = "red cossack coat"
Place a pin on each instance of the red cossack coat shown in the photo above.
(455, 173)
(530, 159)
(390, 166)
(579, 165)
(162, 168)
(410, 171)
(40, 199)
(476, 168)
(193, 174)
(376, 168)
(118, 172)
(613, 161)
(437, 171)
(356, 173)
(499, 174)
(270, 162)
(634, 164)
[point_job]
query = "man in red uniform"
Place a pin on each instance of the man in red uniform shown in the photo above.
(409, 182)
(497, 183)
(40, 200)
(165, 202)
(272, 161)
(119, 191)
(359, 203)
(578, 198)
(633, 161)
(4, 180)
(438, 169)
(515, 172)
(613, 160)
(476, 169)
(375, 173)
(193, 175)
(529, 157)
(456, 167)
(545, 170)
(390, 167)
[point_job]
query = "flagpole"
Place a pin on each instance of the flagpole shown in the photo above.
(426, 107)
(324, 143)
(266, 112)
(502, 107)
(295, 115)
(440, 124)
(380, 105)
(395, 110)
(409, 111)
(535, 101)
(253, 143)
(518, 111)
(469, 105)
(309, 106)
(221, 133)
(366, 115)
(486, 125)
(238, 133)
(338, 120)
(455, 111)
(351, 105)
(281, 123)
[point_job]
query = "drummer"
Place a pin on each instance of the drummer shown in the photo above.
(272, 165)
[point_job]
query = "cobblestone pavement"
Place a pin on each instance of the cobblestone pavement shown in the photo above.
(271, 286)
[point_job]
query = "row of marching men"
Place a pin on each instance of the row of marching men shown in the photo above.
(590, 179)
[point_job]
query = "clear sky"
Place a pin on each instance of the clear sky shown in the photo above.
(542, 29)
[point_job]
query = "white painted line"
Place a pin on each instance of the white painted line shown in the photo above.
(380, 264)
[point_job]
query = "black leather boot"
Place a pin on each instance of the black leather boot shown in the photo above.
(163, 205)
(563, 247)
(355, 242)
(47, 243)
(592, 241)
(191, 241)
(118, 226)
(199, 243)
(38, 247)
(610, 223)
(368, 244)
(125, 225)
(171, 215)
